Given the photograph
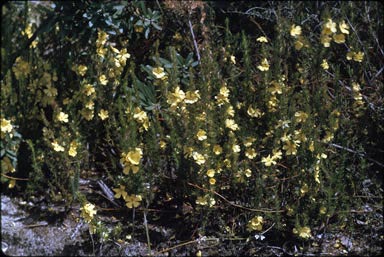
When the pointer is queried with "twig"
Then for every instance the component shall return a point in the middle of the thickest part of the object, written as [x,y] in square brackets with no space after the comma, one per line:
[194,41]
[176,246]
[14,177]
[147,233]
[233,204]
[358,153]
[371,105]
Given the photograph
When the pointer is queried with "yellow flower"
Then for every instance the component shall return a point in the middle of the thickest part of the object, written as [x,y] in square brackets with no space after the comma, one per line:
[358,56]
[248,173]
[256,223]
[254,112]
[344,28]
[159,73]
[57,147]
[231,124]
[82,69]
[162,144]
[6,126]
[217,149]
[88,211]
[299,44]
[73,148]
[331,26]
[211,173]
[103,80]
[21,68]
[285,137]
[62,117]
[291,147]
[325,40]
[138,29]
[311,146]
[122,56]
[304,232]
[89,89]
[141,116]
[101,38]
[236,148]
[275,88]
[133,201]
[222,97]
[90,105]
[316,176]
[199,158]
[101,51]
[12,183]
[134,156]
[304,189]
[201,200]
[230,111]
[103,114]
[120,192]
[129,167]
[191,97]
[339,38]
[201,135]
[277,154]
[233,59]
[212,181]
[264,65]
[301,116]
[176,97]
[268,161]
[6,165]
[88,114]
[248,141]
[27,31]
[262,40]
[250,153]
[295,31]
[324,64]
[224,91]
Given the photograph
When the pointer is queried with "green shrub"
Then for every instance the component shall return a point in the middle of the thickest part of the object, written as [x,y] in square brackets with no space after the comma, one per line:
[272,126]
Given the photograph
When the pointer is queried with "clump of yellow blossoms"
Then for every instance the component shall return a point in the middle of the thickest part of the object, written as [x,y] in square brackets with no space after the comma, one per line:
[329,32]
[356,56]
[131,201]
[131,160]
[303,232]
[88,211]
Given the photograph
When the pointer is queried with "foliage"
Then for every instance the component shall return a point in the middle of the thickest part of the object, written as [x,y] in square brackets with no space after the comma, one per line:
[278,123]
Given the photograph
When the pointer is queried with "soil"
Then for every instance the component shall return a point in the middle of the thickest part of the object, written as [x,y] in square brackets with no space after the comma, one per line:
[26,232]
